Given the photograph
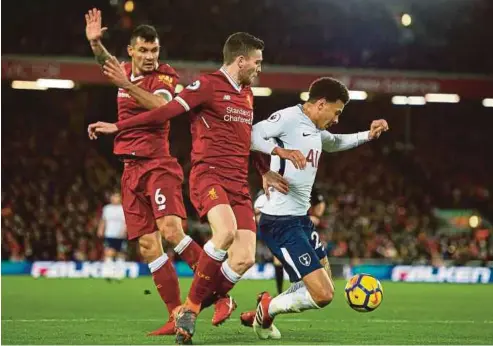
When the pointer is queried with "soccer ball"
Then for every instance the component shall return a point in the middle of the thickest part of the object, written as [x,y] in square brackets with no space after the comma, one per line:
[363,293]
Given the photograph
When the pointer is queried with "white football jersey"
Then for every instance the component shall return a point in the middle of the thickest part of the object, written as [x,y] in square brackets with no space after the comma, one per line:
[290,128]
[114,221]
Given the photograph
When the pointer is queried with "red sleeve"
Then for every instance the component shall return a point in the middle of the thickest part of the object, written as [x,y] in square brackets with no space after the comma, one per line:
[197,93]
[260,161]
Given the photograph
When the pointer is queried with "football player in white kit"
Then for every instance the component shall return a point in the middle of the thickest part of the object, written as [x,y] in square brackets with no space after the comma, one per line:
[284,224]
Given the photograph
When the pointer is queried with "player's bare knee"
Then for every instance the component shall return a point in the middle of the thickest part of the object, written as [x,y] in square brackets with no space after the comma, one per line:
[171,230]
[149,248]
[243,262]
[324,297]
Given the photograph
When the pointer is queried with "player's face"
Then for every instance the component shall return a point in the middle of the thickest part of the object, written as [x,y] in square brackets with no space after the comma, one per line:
[329,113]
[144,54]
[249,67]
[116,198]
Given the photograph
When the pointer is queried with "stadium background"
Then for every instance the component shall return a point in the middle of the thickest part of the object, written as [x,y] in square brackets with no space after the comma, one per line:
[403,207]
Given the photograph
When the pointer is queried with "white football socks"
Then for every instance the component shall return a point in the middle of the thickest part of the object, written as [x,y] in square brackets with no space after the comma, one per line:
[295,299]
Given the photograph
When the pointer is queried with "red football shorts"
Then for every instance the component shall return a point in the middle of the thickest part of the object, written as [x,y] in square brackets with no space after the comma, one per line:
[208,189]
[151,189]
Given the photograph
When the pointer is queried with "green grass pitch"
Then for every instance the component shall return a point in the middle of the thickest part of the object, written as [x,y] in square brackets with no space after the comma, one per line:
[93,311]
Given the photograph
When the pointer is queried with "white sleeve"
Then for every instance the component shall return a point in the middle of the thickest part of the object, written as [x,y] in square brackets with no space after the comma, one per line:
[166,94]
[336,142]
[273,127]
[105,213]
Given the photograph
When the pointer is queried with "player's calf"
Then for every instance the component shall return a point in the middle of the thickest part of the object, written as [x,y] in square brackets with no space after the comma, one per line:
[163,272]
[170,227]
[320,288]
[223,224]
[241,254]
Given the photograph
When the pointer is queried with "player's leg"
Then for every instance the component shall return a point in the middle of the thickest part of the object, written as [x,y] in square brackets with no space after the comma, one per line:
[210,200]
[109,251]
[118,247]
[164,190]
[141,225]
[171,229]
[163,273]
[241,257]
[121,251]
[317,290]
[301,262]
[109,255]
[223,224]
[318,246]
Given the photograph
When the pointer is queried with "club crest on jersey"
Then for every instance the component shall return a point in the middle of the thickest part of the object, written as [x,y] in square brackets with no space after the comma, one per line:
[165,79]
[213,194]
[274,118]
[194,86]
[305,259]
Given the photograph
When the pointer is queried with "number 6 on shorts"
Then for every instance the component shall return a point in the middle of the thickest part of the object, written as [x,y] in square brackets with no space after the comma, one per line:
[160,199]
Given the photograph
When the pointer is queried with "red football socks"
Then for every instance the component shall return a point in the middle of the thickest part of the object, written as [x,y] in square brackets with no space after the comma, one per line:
[206,276]
[224,285]
[191,254]
[166,281]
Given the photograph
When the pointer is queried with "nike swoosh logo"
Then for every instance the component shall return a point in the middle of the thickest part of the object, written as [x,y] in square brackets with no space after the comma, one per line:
[306,134]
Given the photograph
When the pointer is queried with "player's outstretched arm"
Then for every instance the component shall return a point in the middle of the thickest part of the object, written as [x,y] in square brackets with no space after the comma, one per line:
[339,142]
[197,93]
[156,117]
[94,33]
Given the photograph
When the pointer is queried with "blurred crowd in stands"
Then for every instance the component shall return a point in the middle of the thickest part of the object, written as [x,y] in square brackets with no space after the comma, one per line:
[380,197]
[448,36]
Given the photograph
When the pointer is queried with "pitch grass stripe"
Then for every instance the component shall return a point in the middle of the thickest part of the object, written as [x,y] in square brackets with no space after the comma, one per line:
[291,320]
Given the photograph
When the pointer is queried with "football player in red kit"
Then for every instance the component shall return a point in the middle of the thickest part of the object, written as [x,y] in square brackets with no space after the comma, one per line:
[152,179]
[221,105]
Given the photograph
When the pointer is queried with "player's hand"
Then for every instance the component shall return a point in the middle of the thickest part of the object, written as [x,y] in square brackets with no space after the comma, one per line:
[94,31]
[115,72]
[295,156]
[377,127]
[101,128]
[275,180]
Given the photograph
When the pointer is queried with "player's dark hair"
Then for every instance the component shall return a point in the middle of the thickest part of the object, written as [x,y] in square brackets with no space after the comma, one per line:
[146,32]
[240,43]
[328,88]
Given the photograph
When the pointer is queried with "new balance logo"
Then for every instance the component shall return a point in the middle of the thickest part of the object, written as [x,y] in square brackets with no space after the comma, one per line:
[227,97]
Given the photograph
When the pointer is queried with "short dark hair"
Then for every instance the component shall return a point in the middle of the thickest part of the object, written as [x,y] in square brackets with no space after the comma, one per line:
[328,88]
[240,43]
[147,32]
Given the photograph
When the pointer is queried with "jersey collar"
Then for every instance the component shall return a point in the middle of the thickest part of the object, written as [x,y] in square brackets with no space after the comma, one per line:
[230,79]
[133,78]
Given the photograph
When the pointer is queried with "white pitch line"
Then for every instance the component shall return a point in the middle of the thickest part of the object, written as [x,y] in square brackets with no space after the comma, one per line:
[293,320]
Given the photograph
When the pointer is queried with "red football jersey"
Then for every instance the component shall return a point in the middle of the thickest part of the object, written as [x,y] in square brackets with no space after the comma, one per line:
[222,116]
[145,141]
